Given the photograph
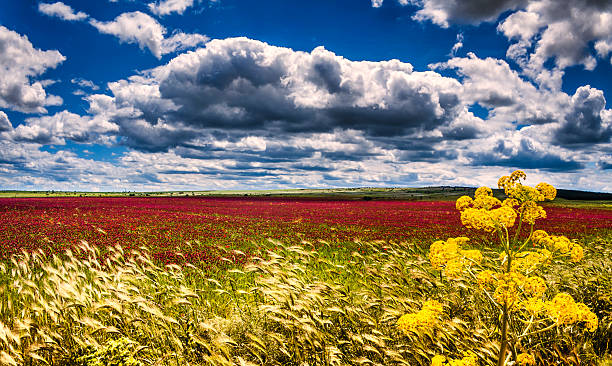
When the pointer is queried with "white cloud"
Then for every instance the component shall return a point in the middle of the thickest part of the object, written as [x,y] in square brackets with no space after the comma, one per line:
[512,100]
[182,41]
[458,45]
[240,84]
[20,62]
[142,29]
[165,7]
[61,10]
[5,124]
[558,30]
[63,125]
[135,27]
[444,12]
[561,30]
[83,83]
[587,121]
[575,122]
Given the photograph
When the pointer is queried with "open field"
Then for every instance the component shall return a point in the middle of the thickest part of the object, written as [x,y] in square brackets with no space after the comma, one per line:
[199,226]
[330,288]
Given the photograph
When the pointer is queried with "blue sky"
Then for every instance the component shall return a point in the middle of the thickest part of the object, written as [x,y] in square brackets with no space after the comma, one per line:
[199,94]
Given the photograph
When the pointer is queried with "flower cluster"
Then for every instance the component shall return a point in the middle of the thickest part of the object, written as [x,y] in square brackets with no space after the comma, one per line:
[559,244]
[564,310]
[470,359]
[509,288]
[485,212]
[525,197]
[525,359]
[423,321]
[513,187]
[449,256]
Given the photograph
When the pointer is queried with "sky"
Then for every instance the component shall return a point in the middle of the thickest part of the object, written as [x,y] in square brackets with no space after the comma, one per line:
[152,95]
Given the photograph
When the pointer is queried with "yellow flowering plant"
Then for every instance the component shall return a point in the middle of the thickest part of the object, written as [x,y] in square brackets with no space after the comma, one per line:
[509,279]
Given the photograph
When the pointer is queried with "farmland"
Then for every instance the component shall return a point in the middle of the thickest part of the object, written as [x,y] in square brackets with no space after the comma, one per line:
[267,280]
[199,227]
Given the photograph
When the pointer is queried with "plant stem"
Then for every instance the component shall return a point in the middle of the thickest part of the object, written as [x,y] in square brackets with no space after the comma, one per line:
[504,326]
[504,337]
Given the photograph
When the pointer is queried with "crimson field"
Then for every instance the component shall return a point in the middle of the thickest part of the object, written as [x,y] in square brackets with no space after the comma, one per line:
[201,227]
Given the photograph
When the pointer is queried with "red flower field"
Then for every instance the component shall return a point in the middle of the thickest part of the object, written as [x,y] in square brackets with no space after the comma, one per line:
[199,226]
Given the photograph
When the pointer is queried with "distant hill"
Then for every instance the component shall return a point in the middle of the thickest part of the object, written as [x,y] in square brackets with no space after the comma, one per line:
[363,193]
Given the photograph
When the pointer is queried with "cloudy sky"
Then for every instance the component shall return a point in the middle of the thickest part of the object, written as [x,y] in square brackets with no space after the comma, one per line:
[227,94]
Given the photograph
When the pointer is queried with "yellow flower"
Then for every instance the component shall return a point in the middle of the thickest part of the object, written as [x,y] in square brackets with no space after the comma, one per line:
[464,202]
[485,278]
[535,286]
[517,175]
[525,359]
[503,182]
[469,360]
[533,305]
[510,202]
[531,212]
[538,235]
[438,360]
[472,255]
[525,193]
[577,253]
[449,256]
[453,269]
[562,308]
[486,202]
[547,190]
[507,291]
[488,220]
[423,321]
[559,243]
[440,252]
[587,316]
[529,261]
[503,216]
[483,191]
[437,254]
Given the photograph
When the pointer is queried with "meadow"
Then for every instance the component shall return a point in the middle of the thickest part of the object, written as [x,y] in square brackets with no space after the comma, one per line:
[281,281]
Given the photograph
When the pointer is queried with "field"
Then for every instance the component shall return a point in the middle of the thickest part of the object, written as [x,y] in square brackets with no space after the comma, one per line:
[199,227]
[270,280]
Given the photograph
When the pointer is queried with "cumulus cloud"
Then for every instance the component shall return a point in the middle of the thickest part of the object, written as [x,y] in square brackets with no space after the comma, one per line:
[135,27]
[444,12]
[54,129]
[142,29]
[518,150]
[492,84]
[570,121]
[165,7]
[587,121]
[541,30]
[182,41]
[605,162]
[20,63]
[5,124]
[242,85]
[61,10]
[561,31]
